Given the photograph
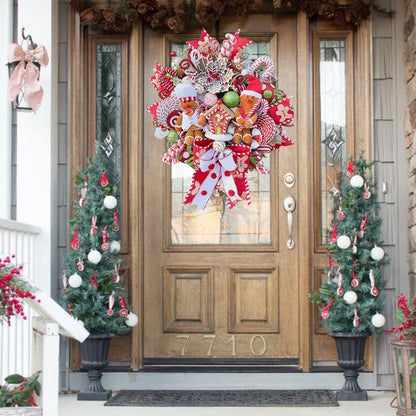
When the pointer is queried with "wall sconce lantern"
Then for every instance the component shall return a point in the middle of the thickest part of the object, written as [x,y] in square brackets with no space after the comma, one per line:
[24,89]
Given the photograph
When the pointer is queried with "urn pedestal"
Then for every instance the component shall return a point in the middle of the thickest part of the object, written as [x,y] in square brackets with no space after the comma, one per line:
[350,349]
[94,352]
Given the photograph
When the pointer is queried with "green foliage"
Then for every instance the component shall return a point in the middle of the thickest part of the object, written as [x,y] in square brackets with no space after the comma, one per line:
[90,302]
[347,263]
[19,390]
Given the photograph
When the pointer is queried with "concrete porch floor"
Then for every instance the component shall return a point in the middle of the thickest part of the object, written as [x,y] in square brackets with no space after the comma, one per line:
[378,404]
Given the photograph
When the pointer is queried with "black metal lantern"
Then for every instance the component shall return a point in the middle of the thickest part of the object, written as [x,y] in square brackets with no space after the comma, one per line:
[31,67]
[20,102]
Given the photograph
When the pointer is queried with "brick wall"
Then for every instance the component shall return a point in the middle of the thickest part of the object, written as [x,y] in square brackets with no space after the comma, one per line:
[410,129]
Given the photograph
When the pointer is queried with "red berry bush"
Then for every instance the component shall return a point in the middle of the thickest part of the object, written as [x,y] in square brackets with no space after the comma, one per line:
[13,288]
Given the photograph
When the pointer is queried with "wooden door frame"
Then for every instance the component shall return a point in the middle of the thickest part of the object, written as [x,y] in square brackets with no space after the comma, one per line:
[78,152]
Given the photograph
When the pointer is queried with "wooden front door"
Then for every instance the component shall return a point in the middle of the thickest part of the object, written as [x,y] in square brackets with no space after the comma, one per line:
[221,286]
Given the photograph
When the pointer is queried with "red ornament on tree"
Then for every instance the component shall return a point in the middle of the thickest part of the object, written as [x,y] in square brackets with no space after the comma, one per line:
[325,310]
[104,245]
[363,224]
[350,169]
[94,281]
[354,281]
[340,290]
[74,242]
[116,227]
[123,311]
[103,180]
[334,233]
[80,264]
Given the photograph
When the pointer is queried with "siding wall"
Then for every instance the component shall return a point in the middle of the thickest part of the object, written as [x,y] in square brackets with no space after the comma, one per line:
[410,56]
[390,164]
[63,170]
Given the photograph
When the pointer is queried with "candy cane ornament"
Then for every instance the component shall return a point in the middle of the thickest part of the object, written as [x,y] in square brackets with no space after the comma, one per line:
[340,290]
[374,291]
[325,310]
[94,225]
[356,320]
[110,304]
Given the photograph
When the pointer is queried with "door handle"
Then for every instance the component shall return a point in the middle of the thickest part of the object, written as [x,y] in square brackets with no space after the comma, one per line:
[289,204]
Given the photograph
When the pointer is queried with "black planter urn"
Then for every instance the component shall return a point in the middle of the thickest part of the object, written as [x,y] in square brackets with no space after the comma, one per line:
[94,352]
[350,358]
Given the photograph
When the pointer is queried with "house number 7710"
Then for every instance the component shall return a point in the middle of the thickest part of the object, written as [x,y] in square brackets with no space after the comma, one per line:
[257,344]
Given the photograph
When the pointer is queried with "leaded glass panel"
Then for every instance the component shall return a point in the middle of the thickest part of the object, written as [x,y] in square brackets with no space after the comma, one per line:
[332,95]
[217,224]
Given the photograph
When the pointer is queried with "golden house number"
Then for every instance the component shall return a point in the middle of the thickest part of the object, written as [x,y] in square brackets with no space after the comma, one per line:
[257,344]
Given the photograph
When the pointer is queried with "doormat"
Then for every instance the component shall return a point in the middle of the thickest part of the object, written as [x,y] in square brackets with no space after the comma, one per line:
[224,398]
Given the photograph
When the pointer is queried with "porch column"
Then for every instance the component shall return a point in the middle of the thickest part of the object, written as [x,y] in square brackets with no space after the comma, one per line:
[37,139]
[6,36]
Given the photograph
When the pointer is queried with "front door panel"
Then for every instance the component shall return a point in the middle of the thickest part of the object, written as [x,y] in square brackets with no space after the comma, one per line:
[221,285]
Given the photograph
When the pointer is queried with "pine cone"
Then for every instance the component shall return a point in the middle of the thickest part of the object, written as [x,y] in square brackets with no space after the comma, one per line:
[172,24]
[90,16]
[157,19]
[218,6]
[142,8]
[77,5]
[109,15]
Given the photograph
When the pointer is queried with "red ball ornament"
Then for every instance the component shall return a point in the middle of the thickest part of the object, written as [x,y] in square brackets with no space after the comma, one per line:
[124,313]
[173,54]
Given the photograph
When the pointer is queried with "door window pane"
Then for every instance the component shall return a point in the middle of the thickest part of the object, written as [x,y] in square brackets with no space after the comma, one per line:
[217,224]
[332,96]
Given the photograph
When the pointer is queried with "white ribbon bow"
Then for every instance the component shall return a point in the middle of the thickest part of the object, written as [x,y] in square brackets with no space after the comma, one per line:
[220,166]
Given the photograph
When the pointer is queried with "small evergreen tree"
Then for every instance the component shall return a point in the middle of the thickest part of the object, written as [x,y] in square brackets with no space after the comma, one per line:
[93,290]
[351,299]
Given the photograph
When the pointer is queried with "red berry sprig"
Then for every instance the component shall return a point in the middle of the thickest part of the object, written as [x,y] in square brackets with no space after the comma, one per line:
[12,290]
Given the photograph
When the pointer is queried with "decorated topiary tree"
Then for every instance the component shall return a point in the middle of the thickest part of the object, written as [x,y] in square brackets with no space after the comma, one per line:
[351,298]
[92,287]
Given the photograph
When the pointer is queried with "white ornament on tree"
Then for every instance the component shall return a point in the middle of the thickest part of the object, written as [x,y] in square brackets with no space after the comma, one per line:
[357,181]
[114,247]
[343,242]
[110,202]
[132,319]
[377,253]
[94,256]
[350,297]
[75,280]
[378,320]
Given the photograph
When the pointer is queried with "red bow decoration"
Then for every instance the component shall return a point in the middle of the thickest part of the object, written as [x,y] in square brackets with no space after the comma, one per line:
[103,180]
[75,242]
[350,168]
[26,74]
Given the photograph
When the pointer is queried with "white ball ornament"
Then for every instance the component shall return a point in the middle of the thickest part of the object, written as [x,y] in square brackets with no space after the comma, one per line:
[75,280]
[114,247]
[94,256]
[377,253]
[378,320]
[343,242]
[132,319]
[357,181]
[110,202]
[350,297]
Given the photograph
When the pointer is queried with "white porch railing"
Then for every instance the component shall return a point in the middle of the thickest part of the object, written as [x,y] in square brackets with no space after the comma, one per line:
[33,344]
[16,340]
